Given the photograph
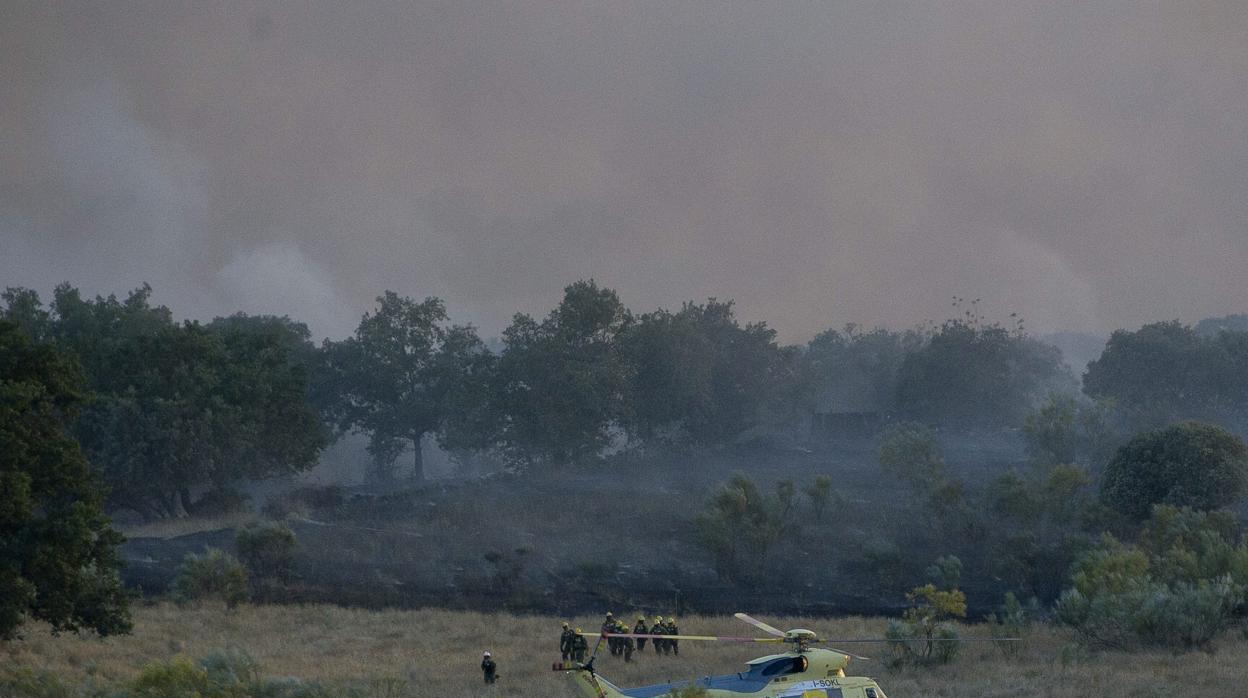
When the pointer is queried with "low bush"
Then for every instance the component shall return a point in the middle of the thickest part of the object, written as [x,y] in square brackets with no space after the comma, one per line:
[1179,587]
[925,635]
[267,551]
[214,574]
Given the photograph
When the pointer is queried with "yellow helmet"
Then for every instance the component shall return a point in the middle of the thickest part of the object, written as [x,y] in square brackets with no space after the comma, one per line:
[565,623]
[579,630]
[658,619]
[610,614]
[672,621]
[641,616]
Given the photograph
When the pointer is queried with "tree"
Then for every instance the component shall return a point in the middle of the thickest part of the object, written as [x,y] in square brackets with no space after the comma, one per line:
[925,633]
[741,527]
[561,383]
[58,559]
[819,492]
[1212,326]
[857,371]
[1188,464]
[1064,430]
[909,451]
[400,374]
[1167,371]
[698,375]
[263,371]
[181,407]
[971,374]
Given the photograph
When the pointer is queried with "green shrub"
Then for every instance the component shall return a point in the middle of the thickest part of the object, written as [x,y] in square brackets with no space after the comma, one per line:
[1178,588]
[267,551]
[1011,621]
[27,683]
[1149,613]
[214,574]
[176,678]
[924,634]
[945,572]
[1195,465]
[229,669]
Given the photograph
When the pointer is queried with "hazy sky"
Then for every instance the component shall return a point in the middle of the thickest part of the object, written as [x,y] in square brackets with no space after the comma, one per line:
[1082,163]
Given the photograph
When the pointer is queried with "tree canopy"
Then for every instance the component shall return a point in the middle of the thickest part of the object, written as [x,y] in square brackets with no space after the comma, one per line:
[181,408]
[1167,371]
[58,560]
[699,375]
[1195,465]
[402,373]
[975,375]
[562,382]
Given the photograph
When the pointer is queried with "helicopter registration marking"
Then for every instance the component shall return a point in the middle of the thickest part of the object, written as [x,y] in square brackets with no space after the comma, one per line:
[817,688]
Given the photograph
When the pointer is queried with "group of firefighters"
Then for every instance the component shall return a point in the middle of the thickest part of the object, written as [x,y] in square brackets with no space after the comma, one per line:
[574,646]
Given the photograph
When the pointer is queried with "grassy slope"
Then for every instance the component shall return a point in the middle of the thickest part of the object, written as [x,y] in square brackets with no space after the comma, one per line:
[435,653]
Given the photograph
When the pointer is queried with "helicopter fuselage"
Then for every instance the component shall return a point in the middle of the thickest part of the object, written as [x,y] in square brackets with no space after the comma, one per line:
[814,673]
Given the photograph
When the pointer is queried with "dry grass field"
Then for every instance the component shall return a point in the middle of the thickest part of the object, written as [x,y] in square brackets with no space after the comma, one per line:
[427,653]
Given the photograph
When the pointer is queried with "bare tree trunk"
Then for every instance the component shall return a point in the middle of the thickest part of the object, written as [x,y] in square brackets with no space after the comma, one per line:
[418,466]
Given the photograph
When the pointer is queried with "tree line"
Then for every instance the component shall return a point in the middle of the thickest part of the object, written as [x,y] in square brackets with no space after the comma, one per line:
[181,412]
[114,403]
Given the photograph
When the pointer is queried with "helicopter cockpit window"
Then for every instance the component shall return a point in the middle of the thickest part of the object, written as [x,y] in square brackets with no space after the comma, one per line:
[871,693]
[798,665]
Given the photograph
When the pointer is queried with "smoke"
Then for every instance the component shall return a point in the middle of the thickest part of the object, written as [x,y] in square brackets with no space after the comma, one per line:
[277,279]
[1080,164]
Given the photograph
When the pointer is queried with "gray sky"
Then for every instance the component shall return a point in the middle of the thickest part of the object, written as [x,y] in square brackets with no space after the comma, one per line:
[1082,163]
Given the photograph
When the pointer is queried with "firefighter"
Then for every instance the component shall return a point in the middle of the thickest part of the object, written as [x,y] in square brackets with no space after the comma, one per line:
[488,668]
[673,630]
[608,626]
[626,643]
[579,646]
[657,629]
[641,629]
[565,642]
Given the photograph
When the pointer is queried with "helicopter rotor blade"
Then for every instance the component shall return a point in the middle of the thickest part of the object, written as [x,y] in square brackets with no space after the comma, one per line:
[882,640]
[759,624]
[851,654]
[694,638]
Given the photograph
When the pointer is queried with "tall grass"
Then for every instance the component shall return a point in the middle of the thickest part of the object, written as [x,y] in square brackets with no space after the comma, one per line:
[428,653]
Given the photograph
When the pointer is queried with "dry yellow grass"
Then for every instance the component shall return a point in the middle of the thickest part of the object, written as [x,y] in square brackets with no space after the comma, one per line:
[436,653]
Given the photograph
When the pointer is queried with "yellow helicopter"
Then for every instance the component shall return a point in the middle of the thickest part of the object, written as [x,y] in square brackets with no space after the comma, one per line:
[802,672]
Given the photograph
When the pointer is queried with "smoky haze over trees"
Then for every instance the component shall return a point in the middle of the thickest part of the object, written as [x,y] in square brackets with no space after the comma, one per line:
[816,162]
[873,454]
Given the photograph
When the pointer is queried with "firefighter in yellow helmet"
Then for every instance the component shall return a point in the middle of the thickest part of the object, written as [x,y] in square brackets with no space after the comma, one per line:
[641,629]
[657,628]
[673,630]
[566,638]
[579,646]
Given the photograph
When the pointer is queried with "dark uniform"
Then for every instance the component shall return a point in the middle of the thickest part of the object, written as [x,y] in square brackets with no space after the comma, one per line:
[641,629]
[565,643]
[673,630]
[613,643]
[489,668]
[658,629]
[579,647]
[626,643]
